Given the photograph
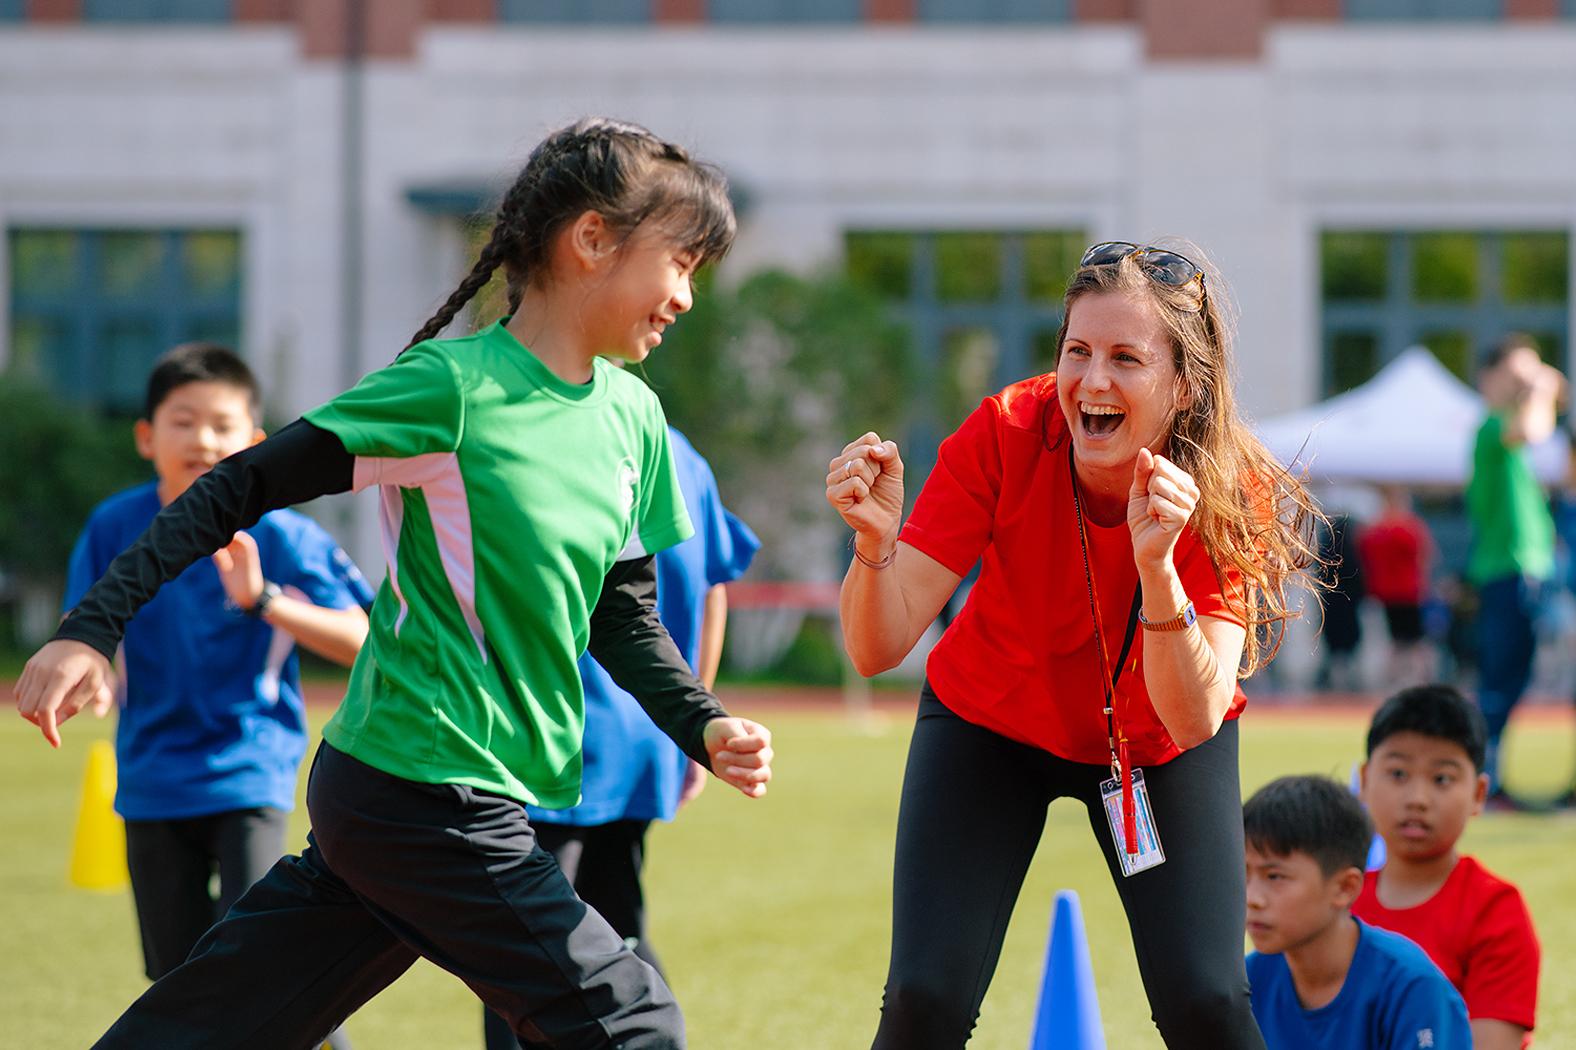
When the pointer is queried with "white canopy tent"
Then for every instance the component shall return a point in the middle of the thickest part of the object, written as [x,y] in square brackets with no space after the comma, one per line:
[1412,424]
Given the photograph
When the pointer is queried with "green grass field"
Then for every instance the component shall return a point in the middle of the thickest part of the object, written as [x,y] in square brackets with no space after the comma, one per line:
[771,916]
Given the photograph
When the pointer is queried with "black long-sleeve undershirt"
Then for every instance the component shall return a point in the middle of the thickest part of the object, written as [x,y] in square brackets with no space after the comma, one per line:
[302,462]
[631,644]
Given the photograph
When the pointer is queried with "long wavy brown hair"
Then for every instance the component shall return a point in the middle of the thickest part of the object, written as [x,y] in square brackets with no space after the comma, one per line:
[1253,515]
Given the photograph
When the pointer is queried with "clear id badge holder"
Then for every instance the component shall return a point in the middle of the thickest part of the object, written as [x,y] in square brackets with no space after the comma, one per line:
[1149,853]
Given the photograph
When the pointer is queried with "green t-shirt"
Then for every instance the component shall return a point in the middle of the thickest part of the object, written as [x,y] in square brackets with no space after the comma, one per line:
[1512,530]
[506,496]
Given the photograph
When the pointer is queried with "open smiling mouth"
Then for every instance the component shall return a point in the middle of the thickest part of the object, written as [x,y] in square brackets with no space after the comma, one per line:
[1100,420]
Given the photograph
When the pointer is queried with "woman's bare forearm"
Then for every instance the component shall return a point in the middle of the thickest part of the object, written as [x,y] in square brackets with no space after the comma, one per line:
[875,613]
[1190,684]
[885,611]
[892,591]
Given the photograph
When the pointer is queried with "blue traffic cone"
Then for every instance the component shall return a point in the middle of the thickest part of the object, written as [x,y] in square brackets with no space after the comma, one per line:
[1377,854]
[1068,1017]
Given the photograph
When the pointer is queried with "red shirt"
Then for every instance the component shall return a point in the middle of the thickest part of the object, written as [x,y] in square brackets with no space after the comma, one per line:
[1396,551]
[1478,931]
[1021,657]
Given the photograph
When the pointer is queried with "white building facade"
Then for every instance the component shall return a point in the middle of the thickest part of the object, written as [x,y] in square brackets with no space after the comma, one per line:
[291,177]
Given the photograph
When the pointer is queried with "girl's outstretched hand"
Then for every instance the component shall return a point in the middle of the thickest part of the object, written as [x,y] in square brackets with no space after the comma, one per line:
[741,753]
[61,679]
[865,484]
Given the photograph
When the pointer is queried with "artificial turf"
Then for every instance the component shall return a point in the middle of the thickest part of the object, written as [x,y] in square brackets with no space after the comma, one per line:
[771,916]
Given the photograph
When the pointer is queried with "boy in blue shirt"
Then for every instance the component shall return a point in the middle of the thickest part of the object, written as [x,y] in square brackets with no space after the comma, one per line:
[1322,979]
[211,727]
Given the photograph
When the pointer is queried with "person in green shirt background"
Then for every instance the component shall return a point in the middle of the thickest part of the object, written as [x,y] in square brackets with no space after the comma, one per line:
[1512,555]
[525,485]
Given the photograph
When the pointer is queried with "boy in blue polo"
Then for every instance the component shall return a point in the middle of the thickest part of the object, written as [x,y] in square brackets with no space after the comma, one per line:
[1322,979]
[211,727]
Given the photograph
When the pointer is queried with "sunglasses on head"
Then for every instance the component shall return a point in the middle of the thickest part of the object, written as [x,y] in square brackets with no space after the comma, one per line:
[1167,267]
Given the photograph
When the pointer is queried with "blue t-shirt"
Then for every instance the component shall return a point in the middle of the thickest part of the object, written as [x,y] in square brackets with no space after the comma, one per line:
[211,717]
[632,770]
[1393,998]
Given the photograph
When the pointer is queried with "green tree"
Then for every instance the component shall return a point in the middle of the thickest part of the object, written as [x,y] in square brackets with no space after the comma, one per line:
[56,463]
[769,380]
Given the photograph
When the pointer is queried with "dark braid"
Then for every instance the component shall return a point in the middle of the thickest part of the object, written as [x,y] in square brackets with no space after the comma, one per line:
[506,228]
[474,282]
[617,169]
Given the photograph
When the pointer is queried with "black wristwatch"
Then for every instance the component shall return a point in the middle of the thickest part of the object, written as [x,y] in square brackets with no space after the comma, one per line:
[265,598]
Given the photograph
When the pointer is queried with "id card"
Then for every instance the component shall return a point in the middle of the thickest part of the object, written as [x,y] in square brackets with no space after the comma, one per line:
[1149,854]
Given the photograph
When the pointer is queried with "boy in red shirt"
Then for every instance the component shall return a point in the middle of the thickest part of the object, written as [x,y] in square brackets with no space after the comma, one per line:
[1423,780]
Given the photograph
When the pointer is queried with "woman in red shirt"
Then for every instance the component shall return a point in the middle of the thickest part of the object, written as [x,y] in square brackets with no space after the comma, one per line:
[1122,491]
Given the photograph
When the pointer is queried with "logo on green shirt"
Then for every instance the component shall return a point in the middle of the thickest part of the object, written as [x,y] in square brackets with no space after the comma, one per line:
[628,484]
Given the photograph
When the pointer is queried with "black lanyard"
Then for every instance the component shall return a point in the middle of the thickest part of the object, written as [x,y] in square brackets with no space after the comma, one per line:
[1108,674]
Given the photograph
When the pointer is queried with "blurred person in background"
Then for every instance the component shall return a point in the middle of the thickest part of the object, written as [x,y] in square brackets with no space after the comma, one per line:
[1397,556]
[1512,556]
[1563,506]
[634,773]
[1343,629]
[1450,617]
[212,724]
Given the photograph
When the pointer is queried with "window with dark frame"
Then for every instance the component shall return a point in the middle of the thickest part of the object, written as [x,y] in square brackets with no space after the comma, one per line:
[90,310]
[1424,10]
[215,11]
[981,309]
[962,11]
[593,12]
[1454,291]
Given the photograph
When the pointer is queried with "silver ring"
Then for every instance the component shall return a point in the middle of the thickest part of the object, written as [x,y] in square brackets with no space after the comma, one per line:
[848,469]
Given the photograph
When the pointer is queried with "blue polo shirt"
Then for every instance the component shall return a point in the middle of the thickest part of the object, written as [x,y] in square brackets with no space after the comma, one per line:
[632,770]
[1393,998]
[211,716]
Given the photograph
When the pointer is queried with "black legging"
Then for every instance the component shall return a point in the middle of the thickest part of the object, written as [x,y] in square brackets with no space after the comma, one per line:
[950,910]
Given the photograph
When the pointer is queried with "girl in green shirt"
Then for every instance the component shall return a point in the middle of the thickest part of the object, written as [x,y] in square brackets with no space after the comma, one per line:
[525,486]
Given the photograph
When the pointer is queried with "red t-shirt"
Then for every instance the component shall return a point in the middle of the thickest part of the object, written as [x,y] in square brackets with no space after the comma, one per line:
[1478,931]
[1021,657]
[1395,552]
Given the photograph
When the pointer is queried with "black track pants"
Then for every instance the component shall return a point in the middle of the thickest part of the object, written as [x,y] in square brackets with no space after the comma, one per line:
[397,869]
[973,809]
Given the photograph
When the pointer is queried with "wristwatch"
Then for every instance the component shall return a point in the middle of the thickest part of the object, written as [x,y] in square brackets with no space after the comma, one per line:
[1180,622]
[271,590]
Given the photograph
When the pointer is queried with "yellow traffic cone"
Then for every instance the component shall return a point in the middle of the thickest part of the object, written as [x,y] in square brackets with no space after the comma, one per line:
[98,856]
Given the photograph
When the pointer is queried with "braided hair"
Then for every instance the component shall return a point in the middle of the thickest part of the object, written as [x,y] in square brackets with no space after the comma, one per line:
[620,170]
